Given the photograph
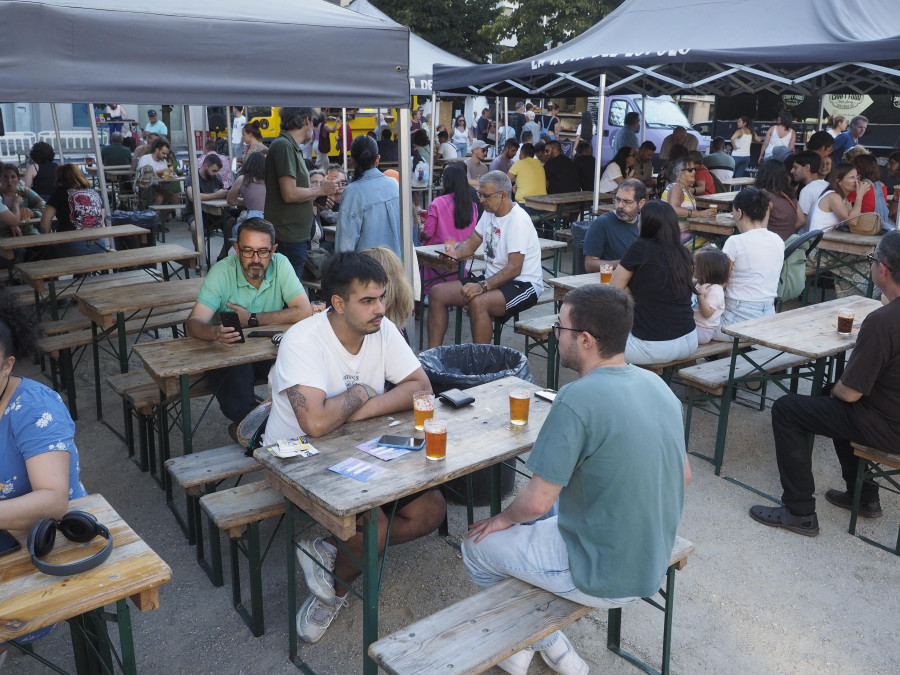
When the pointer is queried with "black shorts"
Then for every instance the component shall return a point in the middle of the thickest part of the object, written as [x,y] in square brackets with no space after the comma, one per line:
[519,295]
[404,501]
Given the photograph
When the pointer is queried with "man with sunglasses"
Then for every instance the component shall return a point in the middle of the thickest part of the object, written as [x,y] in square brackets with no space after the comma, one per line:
[611,457]
[513,278]
[610,235]
[863,406]
[261,286]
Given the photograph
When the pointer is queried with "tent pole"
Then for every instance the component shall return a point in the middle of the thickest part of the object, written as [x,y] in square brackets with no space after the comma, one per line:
[195,183]
[497,120]
[62,157]
[821,112]
[601,104]
[505,119]
[406,241]
[228,135]
[434,123]
[344,139]
[643,118]
[101,176]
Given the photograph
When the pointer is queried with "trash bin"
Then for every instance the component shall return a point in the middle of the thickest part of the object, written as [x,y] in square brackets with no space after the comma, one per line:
[148,219]
[579,232]
[464,366]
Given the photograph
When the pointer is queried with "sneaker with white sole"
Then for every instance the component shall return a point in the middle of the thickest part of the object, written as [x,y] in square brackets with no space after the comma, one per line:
[320,582]
[315,616]
[569,663]
[517,664]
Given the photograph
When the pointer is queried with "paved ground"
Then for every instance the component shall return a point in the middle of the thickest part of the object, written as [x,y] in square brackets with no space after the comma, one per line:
[751,599]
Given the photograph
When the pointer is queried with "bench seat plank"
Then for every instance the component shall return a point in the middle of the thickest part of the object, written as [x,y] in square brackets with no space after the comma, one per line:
[193,471]
[712,376]
[235,507]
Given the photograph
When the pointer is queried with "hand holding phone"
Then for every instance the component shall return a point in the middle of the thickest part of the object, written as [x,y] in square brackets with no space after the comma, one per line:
[233,321]
[448,257]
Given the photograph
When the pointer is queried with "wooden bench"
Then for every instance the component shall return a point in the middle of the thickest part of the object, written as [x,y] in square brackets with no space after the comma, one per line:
[26,295]
[666,370]
[500,321]
[874,464]
[480,631]
[198,474]
[238,512]
[712,378]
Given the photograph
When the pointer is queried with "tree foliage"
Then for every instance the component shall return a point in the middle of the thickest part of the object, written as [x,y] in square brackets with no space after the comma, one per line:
[451,25]
[539,24]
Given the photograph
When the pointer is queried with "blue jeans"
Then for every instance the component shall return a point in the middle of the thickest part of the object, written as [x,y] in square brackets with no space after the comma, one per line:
[641,352]
[740,165]
[234,387]
[741,310]
[461,149]
[296,253]
[535,554]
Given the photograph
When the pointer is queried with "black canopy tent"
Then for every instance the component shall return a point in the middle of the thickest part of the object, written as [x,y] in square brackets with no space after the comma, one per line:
[115,50]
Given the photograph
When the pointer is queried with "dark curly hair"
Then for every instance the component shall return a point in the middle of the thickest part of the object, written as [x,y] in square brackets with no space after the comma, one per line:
[18,327]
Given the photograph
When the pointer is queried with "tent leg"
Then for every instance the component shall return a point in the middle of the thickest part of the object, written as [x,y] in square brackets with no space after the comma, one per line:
[101,176]
[601,105]
[406,240]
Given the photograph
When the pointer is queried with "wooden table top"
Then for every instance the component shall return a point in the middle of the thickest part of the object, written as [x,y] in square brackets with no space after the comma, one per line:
[743,180]
[562,285]
[477,437]
[36,273]
[101,305]
[551,202]
[168,360]
[87,234]
[215,204]
[809,331]
[718,197]
[839,241]
[30,600]
[429,253]
[722,226]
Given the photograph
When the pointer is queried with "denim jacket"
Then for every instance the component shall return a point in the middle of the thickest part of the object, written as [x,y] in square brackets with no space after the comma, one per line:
[369,214]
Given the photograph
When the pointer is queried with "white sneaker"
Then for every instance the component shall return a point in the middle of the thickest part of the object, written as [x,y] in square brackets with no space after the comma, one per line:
[320,582]
[517,664]
[315,616]
[569,663]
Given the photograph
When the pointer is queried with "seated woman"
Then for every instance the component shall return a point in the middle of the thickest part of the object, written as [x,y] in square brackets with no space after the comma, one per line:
[75,205]
[757,256]
[14,197]
[875,199]
[785,217]
[453,215]
[679,193]
[657,270]
[617,170]
[833,207]
[38,457]
[370,205]
[40,175]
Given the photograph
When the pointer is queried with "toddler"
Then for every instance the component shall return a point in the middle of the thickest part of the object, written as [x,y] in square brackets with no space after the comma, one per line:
[711,269]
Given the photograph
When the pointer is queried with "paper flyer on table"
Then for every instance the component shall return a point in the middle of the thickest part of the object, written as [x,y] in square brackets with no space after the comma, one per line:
[357,469]
[380,451]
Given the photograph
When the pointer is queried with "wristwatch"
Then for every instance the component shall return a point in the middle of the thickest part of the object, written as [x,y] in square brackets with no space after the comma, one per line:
[483,284]
[253,321]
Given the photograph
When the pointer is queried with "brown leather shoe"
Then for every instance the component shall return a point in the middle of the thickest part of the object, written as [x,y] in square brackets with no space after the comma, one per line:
[844,500]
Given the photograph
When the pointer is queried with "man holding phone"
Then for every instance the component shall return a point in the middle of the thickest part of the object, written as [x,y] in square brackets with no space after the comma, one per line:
[260,286]
[332,369]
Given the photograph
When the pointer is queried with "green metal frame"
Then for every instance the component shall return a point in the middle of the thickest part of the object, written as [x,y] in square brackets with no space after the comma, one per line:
[835,261]
[549,348]
[869,469]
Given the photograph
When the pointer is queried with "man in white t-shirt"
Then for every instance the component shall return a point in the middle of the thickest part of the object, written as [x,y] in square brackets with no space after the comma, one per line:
[513,278]
[446,149]
[332,369]
[237,128]
[158,159]
[806,173]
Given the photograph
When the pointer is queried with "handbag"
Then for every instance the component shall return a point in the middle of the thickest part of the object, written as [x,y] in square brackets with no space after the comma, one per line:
[864,223]
[324,145]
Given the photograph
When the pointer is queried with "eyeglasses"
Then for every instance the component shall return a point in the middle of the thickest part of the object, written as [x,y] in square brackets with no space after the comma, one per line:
[263,253]
[486,195]
[872,259]
[556,328]
[624,202]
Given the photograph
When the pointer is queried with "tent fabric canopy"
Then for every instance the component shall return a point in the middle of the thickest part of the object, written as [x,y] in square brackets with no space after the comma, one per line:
[290,52]
[422,54]
[723,47]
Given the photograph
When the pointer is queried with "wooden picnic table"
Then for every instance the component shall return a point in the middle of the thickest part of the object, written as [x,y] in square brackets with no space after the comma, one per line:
[478,436]
[720,199]
[558,203]
[174,363]
[9,244]
[741,180]
[721,226]
[43,275]
[30,600]
[562,285]
[845,252]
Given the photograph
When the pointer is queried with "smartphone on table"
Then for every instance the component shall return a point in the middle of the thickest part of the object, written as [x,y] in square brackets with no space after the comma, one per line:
[8,543]
[231,320]
[402,442]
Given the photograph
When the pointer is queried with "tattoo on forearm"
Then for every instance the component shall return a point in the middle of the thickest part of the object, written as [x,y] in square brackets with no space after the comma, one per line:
[298,400]
[352,402]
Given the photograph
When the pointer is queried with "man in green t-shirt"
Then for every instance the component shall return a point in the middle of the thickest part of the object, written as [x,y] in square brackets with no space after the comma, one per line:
[261,287]
[289,196]
[611,457]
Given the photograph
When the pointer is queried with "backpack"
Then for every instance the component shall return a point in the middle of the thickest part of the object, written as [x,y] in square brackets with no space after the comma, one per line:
[324,146]
[881,207]
[144,177]
[793,272]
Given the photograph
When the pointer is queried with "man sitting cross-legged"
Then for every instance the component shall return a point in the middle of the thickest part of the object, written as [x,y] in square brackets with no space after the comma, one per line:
[513,277]
[332,369]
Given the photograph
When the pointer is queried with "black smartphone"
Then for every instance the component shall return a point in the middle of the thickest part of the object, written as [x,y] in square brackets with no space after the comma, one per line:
[402,442]
[231,320]
[448,257]
[263,333]
[8,543]
[546,394]
[322,201]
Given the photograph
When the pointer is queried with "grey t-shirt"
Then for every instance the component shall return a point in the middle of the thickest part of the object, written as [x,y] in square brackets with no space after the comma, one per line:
[608,237]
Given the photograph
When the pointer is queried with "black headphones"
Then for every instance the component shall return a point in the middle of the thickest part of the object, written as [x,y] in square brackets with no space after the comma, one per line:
[75,526]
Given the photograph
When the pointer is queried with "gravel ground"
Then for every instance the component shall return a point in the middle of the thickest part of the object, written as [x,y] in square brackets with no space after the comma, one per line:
[751,599]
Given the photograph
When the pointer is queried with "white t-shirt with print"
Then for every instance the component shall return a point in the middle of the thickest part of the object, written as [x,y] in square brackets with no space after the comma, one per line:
[513,233]
[311,355]
[758,257]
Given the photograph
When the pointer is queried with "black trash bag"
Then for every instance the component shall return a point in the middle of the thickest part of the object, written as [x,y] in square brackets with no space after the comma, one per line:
[464,366]
[148,219]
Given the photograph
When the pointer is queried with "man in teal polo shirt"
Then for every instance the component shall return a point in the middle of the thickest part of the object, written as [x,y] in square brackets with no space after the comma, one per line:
[611,457]
[261,286]
[289,196]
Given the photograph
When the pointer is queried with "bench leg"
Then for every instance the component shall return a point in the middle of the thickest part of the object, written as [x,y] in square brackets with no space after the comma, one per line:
[213,566]
[857,493]
[254,618]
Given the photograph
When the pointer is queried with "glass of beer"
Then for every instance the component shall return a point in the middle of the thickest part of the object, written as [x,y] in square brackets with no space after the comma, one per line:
[317,306]
[845,322]
[449,245]
[435,439]
[518,407]
[423,408]
[606,274]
